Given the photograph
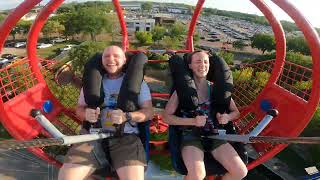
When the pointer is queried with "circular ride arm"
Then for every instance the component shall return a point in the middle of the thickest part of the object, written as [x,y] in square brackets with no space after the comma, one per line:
[189,44]
[279,38]
[125,41]
[13,18]
[34,33]
[313,40]
[5,29]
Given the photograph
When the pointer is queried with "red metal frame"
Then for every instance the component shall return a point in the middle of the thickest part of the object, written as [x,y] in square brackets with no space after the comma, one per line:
[196,13]
[291,107]
[125,41]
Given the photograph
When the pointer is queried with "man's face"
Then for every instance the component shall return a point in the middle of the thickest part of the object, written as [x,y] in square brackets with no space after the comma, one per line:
[200,64]
[113,59]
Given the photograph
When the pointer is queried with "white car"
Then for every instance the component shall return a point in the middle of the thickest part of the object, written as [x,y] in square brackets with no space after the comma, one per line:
[4,62]
[20,44]
[43,45]
[58,40]
[67,47]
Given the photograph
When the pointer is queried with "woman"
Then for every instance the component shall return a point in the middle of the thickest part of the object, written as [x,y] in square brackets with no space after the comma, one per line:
[192,149]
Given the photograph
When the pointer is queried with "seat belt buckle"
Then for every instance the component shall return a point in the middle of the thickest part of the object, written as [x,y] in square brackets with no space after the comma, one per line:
[95,130]
[219,131]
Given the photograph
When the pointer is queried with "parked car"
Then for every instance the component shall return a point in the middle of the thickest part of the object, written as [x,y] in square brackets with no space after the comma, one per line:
[67,47]
[20,44]
[4,62]
[9,56]
[43,45]
[58,40]
[214,40]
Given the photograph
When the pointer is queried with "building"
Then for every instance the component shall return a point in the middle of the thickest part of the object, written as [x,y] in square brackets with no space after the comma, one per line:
[134,25]
[176,10]
[164,19]
[131,6]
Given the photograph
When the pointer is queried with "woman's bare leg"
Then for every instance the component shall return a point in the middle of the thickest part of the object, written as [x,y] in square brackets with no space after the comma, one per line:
[231,161]
[75,171]
[193,159]
[131,172]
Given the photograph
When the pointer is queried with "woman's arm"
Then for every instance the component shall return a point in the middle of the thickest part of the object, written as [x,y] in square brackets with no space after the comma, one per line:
[234,114]
[170,109]
[226,117]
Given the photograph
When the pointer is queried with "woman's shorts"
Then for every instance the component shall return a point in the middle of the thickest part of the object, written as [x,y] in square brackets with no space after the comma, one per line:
[207,145]
[124,151]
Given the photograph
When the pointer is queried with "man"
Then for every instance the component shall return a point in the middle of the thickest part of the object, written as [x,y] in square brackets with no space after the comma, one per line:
[126,152]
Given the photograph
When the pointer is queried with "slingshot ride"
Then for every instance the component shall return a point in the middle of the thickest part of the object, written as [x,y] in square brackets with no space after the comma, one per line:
[25,86]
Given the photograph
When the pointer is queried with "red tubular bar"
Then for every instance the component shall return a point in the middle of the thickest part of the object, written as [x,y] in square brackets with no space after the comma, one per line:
[313,40]
[157,61]
[169,50]
[196,13]
[163,95]
[5,29]
[125,41]
[34,34]
[279,37]
[314,44]
[13,18]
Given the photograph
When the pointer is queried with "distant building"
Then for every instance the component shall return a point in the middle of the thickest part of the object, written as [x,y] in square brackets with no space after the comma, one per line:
[29,16]
[134,25]
[176,10]
[164,19]
[131,6]
[32,14]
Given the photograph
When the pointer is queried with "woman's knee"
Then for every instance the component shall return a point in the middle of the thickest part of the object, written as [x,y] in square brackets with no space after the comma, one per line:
[70,171]
[240,171]
[199,173]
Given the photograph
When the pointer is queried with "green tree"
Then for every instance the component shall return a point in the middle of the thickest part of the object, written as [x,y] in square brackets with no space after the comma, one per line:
[144,37]
[92,22]
[298,44]
[71,23]
[66,8]
[81,54]
[239,44]
[263,42]
[171,43]
[14,32]
[52,27]
[113,26]
[177,30]
[24,26]
[146,6]
[289,26]
[196,38]
[158,33]
[227,56]
[2,17]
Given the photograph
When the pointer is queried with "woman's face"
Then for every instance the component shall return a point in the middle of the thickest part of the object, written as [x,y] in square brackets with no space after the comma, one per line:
[200,64]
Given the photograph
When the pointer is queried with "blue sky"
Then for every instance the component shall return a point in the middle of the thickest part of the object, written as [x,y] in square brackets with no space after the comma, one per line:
[310,8]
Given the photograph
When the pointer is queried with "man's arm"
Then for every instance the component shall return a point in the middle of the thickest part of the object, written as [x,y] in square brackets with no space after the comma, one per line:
[145,113]
[80,112]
